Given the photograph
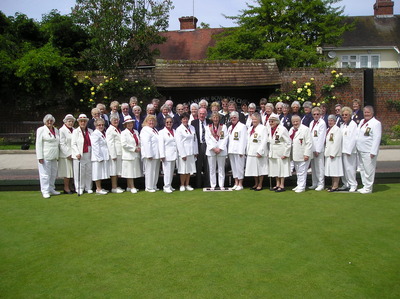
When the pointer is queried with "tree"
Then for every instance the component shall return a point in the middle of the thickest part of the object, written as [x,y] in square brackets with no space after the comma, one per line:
[122,31]
[288,30]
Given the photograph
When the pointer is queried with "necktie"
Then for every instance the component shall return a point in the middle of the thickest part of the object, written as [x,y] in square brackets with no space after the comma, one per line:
[293,133]
[203,133]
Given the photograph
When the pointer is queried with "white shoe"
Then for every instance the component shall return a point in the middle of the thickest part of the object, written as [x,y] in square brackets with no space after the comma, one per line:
[172,188]
[319,188]
[238,188]
[182,188]
[234,187]
[295,188]
[54,192]
[150,190]
[299,190]
[222,188]
[101,192]
[116,190]
[189,188]
[364,191]
[80,192]
[89,191]
[133,190]
[353,189]
[167,190]
[212,189]
[46,195]
[312,187]
[128,189]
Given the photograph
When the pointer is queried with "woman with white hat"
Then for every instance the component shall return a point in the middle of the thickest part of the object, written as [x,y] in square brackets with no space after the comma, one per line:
[47,152]
[81,155]
[113,138]
[279,152]
[65,167]
[100,156]
[131,166]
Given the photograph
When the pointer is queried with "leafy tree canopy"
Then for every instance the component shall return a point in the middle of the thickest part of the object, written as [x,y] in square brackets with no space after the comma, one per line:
[122,31]
[288,30]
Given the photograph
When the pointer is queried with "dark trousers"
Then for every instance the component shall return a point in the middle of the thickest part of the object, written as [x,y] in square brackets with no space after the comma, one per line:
[202,168]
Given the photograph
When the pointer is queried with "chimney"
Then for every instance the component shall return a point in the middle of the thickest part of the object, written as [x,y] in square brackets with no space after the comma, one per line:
[188,23]
[383,8]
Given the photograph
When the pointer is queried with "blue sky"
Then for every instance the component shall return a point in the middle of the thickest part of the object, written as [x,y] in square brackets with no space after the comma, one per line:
[207,11]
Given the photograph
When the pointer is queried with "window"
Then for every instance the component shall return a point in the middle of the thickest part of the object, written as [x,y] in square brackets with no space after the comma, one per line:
[360,61]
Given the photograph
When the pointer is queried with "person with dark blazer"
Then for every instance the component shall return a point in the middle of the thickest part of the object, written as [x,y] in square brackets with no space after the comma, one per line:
[338,111]
[307,117]
[202,169]
[138,118]
[232,106]
[285,117]
[358,114]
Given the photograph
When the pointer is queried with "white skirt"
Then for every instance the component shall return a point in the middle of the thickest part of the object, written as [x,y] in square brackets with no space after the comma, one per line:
[333,167]
[116,166]
[256,166]
[188,166]
[279,168]
[131,169]
[65,168]
[100,170]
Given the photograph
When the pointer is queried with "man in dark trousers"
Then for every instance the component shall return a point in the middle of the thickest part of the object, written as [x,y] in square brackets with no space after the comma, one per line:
[202,170]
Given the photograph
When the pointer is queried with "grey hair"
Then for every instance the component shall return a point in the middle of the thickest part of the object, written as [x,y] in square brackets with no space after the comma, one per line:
[149,106]
[331,116]
[124,104]
[370,108]
[278,104]
[296,116]
[194,105]
[307,104]
[256,114]
[48,117]
[203,101]
[252,105]
[284,105]
[347,109]
[270,105]
[234,113]
[166,106]
[137,107]
[114,116]
[296,103]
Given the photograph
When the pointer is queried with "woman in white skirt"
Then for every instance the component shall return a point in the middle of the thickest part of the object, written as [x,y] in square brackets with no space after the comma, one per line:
[65,167]
[237,149]
[257,152]
[113,139]
[47,152]
[216,151]
[187,151]
[100,156]
[168,152]
[131,166]
[279,152]
[150,152]
[333,153]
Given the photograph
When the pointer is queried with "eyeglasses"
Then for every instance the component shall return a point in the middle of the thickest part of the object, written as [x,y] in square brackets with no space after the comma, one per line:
[316,113]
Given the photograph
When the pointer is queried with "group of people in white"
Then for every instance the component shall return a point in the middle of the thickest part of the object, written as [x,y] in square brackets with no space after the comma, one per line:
[270,142]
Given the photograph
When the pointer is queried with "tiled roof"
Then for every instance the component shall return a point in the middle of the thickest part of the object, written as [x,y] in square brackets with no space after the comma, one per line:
[216,73]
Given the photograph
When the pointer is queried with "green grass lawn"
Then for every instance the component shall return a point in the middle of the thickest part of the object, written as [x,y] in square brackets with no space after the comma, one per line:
[201,245]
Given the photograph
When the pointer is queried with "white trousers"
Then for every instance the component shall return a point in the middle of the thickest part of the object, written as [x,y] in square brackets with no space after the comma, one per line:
[301,173]
[318,170]
[367,170]
[83,180]
[349,170]
[213,163]
[151,172]
[168,169]
[47,175]
[237,165]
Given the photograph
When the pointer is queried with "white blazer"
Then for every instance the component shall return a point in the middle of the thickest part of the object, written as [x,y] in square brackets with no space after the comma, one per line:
[167,145]
[47,145]
[65,142]
[186,141]
[257,142]
[333,142]
[77,142]
[113,139]
[318,133]
[149,142]
[237,141]
[349,132]
[212,142]
[99,147]
[301,143]
[279,143]
[369,136]
[129,145]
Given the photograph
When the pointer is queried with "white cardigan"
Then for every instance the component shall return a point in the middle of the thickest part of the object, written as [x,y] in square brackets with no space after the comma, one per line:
[369,136]
[212,142]
[113,139]
[349,132]
[129,145]
[333,142]
[237,139]
[186,141]
[301,143]
[149,142]
[318,133]
[65,142]
[257,143]
[77,142]
[47,145]
[279,143]
[99,147]
[167,145]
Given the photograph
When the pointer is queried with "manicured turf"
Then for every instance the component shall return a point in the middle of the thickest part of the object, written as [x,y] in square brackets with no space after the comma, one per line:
[201,245]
